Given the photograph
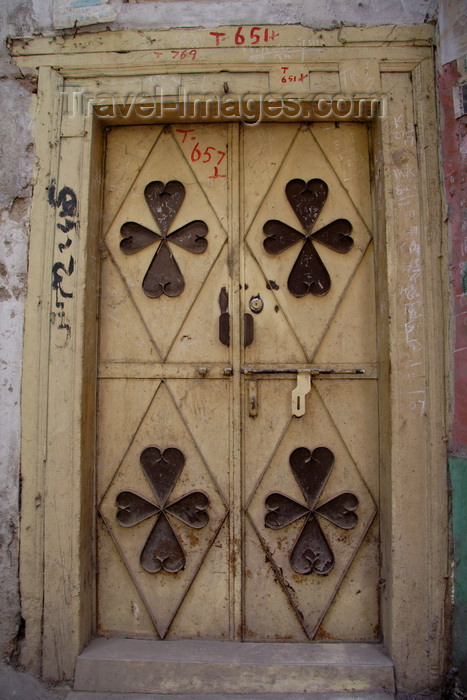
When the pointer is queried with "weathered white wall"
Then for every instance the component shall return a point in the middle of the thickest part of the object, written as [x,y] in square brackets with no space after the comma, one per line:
[28,17]
[16,154]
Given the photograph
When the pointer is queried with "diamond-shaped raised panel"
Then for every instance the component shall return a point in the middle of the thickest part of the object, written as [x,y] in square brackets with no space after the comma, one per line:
[311,594]
[310,315]
[164,428]
[163,316]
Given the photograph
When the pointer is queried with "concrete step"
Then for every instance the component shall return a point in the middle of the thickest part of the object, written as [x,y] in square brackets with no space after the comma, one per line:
[224,669]
[78,695]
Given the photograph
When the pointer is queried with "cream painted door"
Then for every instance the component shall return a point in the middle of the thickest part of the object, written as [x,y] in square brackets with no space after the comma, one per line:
[237,475]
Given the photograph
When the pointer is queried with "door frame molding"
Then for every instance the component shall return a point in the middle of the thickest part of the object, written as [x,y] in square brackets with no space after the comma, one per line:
[391,66]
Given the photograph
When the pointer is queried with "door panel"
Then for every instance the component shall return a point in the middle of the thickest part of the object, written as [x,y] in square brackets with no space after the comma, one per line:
[325,573]
[222,515]
[153,394]
[305,160]
[312,593]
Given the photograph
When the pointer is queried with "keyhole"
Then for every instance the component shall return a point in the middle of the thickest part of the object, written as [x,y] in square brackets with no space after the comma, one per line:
[256,304]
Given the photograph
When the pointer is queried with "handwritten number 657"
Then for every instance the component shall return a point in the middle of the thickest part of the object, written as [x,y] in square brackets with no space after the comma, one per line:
[197,155]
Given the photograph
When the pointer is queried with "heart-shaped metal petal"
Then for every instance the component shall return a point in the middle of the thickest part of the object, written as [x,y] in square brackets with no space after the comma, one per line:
[336,236]
[133,509]
[164,201]
[280,236]
[162,549]
[311,470]
[136,237]
[191,509]
[340,510]
[282,511]
[307,199]
[164,275]
[308,274]
[311,551]
[162,470]
[191,237]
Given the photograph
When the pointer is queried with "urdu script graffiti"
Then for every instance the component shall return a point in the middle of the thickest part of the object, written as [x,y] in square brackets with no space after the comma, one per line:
[65,203]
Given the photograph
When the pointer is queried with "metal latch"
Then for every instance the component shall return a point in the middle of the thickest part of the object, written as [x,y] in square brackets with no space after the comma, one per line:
[298,394]
[303,386]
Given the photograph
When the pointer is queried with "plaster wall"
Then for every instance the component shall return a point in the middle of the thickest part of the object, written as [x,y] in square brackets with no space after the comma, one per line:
[16,157]
[452,71]
[29,17]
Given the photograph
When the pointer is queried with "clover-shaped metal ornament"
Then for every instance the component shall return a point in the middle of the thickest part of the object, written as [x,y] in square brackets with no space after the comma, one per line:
[162,549]
[308,275]
[311,552]
[163,275]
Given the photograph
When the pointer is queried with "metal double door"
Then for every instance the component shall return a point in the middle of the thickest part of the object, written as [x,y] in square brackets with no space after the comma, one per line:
[237,476]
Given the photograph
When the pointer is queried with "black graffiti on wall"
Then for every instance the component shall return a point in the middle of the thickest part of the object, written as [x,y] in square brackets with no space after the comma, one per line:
[65,203]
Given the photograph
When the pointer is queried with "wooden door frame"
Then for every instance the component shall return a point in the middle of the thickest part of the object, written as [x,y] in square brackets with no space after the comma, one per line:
[392,66]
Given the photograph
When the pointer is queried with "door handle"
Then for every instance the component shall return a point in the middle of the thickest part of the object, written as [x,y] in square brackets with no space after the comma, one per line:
[224,322]
[248,329]
[224,318]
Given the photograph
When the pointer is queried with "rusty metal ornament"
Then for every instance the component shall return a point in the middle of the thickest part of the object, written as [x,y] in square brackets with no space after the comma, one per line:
[162,550]
[162,470]
[163,275]
[164,201]
[308,274]
[311,552]
[133,509]
[307,199]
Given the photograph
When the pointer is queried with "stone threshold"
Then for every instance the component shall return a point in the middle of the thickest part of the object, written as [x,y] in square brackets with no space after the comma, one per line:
[83,695]
[220,669]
